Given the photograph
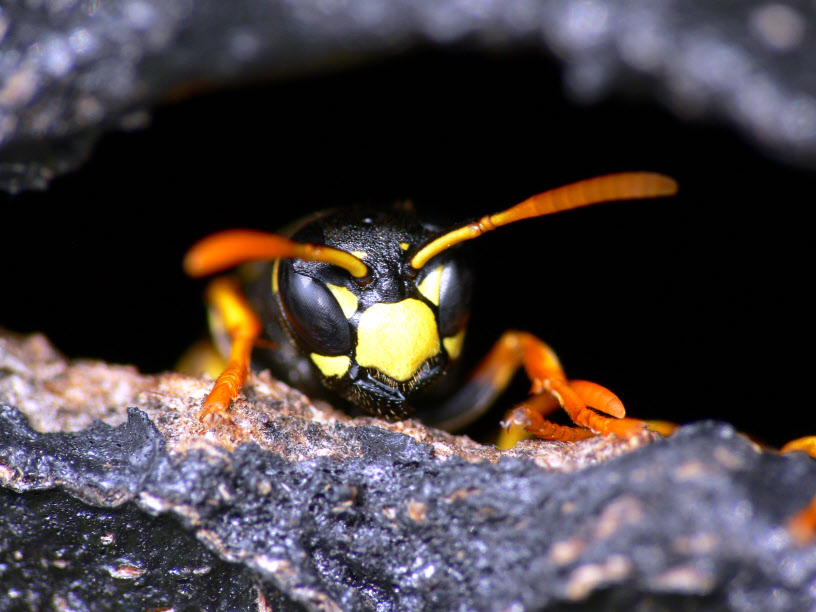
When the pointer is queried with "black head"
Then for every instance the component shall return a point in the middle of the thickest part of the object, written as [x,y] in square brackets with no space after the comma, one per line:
[380,338]
[378,300]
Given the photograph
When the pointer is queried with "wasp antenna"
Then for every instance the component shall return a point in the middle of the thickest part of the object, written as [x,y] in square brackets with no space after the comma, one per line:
[622,186]
[230,248]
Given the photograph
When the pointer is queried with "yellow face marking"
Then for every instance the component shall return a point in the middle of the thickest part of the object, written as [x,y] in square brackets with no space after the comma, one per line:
[453,344]
[429,287]
[331,366]
[275,276]
[405,246]
[346,299]
[397,338]
[360,254]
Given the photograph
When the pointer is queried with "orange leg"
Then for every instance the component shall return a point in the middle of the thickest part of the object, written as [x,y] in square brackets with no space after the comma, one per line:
[529,416]
[802,525]
[806,444]
[593,394]
[515,349]
[230,308]
[545,371]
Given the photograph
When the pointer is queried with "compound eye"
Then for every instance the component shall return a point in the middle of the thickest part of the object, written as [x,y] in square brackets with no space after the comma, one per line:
[313,313]
[455,290]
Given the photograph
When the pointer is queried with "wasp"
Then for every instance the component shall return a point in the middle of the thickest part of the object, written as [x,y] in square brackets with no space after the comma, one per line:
[373,305]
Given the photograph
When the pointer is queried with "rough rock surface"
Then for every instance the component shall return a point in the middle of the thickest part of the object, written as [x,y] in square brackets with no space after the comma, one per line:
[309,509]
[70,70]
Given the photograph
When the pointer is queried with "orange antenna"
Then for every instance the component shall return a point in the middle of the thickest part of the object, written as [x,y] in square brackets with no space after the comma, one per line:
[623,186]
[227,249]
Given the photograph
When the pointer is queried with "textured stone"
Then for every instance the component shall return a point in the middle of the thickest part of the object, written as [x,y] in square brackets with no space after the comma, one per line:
[71,70]
[314,510]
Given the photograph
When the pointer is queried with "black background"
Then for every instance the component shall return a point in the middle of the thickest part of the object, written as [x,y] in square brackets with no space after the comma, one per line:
[692,307]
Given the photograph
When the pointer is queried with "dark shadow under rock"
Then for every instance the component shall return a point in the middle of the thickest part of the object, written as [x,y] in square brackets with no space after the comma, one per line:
[60,553]
[314,510]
